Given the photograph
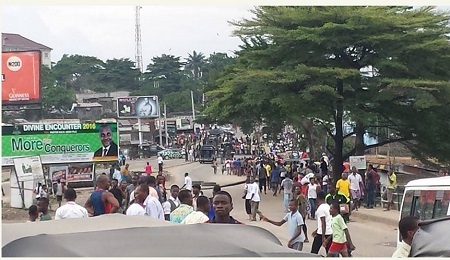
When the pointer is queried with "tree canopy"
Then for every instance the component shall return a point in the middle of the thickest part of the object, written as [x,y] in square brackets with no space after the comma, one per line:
[367,66]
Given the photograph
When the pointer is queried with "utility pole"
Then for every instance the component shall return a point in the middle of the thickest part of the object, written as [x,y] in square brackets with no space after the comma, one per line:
[165,125]
[139,62]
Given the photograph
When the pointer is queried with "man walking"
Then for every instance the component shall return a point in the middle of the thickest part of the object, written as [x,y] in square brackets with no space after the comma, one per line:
[274,179]
[160,162]
[255,198]
[323,230]
[262,176]
[187,182]
[295,223]
[407,227]
[370,187]
[356,187]
[287,186]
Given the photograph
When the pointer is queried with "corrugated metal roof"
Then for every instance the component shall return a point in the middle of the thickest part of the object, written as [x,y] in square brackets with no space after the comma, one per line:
[94,104]
[12,41]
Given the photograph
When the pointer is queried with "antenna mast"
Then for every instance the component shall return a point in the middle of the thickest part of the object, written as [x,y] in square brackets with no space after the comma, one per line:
[139,63]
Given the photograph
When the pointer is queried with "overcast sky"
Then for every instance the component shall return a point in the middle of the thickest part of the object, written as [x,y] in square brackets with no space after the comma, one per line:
[109,32]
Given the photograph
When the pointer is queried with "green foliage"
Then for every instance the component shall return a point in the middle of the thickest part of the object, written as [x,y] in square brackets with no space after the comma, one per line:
[310,60]
[54,96]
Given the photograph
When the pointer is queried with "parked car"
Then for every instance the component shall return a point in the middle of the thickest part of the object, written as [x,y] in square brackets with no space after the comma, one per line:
[171,154]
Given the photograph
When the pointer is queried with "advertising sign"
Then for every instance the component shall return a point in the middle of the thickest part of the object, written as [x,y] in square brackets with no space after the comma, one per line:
[61,142]
[143,107]
[358,161]
[29,168]
[80,172]
[58,173]
[21,77]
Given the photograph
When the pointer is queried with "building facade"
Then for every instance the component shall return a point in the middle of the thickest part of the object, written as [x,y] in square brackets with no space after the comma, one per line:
[16,42]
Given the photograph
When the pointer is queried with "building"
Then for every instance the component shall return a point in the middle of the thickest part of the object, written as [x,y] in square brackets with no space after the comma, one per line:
[16,42]
[88,111]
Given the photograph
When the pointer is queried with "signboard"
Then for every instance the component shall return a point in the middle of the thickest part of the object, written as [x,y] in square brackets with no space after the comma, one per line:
[358,161]
[58,173]
[80,172]
[141,107]
[21,77]
[61,142]
[28,168]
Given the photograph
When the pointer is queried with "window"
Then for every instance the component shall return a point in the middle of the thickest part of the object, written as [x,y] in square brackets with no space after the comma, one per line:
[46,55]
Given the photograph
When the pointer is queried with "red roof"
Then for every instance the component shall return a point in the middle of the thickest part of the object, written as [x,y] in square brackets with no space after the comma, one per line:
[16,42]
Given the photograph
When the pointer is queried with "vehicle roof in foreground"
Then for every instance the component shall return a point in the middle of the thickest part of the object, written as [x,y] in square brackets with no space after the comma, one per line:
[435,181]
[432,239]
[139,236]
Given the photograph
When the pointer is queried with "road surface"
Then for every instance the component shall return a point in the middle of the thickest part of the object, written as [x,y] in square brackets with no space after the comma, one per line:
[371,239]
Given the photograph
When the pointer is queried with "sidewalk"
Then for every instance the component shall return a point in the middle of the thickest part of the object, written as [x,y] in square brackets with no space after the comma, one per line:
[377,214]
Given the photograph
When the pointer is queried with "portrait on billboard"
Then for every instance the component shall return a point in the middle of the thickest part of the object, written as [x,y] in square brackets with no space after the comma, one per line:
[146,107]
[108,148]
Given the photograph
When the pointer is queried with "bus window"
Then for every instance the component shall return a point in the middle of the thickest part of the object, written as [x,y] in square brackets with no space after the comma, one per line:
[441,208]
[424,204]
[407,203]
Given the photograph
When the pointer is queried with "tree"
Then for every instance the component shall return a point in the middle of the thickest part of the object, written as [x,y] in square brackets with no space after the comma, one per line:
[195,64]
[78,72]
[55,97]
[120,74]
[310,60]
[165,72]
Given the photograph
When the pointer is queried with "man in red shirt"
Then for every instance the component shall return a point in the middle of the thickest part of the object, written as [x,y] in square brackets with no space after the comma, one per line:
[148,169]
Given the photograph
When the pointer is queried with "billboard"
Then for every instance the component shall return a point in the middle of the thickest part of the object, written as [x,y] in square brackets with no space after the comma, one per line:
[72,173]
[143,107]
[29,168]
[61,142]
[21,77]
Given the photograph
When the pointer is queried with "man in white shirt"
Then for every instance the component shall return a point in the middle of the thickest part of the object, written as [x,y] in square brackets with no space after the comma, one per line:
[187,182]
[323,230]
[71,209]
[356,187]
[201,214]
[137,208]
[172,203]
[255,198]
[407,227]
[153,208]
[160,162]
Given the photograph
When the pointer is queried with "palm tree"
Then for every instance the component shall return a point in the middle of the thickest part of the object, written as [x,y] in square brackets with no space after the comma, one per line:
[195,64]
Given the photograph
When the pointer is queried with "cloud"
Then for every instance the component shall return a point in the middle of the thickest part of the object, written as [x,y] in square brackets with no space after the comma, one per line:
[108,32]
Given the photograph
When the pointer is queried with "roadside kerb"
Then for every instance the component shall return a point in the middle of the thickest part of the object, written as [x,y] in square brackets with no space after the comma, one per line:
[377,215]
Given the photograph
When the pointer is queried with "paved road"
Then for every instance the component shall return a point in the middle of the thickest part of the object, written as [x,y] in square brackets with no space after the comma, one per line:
[371,239]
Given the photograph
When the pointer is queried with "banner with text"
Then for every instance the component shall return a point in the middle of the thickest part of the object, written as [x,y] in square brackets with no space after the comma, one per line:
[61,142]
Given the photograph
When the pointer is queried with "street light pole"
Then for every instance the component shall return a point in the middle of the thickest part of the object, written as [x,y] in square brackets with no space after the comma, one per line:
[160,127]
[165,124]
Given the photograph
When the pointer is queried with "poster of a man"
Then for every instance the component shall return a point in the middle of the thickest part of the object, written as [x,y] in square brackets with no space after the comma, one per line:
[146,107]
[109,148]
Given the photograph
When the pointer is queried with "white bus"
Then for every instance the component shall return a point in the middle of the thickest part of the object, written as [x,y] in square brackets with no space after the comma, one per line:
[426,199]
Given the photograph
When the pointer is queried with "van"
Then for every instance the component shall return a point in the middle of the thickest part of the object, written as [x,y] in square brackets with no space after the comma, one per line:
[426,199]
[207,153]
